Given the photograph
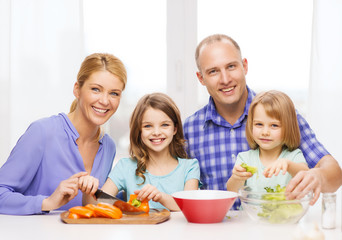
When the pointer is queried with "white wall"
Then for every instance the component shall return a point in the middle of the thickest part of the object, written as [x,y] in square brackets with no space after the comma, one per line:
[41,51]
[325,101]
[42,46]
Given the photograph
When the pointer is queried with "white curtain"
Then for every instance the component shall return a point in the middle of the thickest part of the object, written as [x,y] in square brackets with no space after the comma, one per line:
[325,113]
[41,48]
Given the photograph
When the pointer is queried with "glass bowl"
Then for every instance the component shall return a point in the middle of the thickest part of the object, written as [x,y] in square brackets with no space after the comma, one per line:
[274,208]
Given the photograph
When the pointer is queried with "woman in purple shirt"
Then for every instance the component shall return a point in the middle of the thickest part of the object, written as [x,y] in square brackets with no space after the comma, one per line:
[56,156]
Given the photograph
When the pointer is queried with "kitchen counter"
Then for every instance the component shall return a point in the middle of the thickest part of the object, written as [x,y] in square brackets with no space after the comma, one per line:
[236,226]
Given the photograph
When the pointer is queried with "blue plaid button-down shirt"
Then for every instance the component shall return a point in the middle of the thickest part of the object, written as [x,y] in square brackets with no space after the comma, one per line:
[216,143]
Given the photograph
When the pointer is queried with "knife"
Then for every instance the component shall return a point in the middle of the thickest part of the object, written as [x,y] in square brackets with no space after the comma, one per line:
[125,207]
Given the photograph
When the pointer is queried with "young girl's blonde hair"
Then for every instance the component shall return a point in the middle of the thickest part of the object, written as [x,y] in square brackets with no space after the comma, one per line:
[138,150]
[279,106]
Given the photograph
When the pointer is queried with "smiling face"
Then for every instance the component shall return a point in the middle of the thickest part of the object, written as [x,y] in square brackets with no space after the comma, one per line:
[157,130]
[267,131]
[98,98]
[222,71]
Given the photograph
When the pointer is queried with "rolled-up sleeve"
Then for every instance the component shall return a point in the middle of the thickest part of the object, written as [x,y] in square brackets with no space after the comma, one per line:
[312,149]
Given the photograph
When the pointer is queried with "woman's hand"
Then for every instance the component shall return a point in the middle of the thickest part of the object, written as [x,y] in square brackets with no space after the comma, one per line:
[66,191]
[88,184]
[274,168]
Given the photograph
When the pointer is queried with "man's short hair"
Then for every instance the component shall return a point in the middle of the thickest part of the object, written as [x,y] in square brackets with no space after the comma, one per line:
[211,39]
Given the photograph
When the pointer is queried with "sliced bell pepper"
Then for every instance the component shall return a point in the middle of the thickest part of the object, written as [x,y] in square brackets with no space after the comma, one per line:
[82,211]
[73,216]
[92,207]
[142,205]
[107,212]
[110,207]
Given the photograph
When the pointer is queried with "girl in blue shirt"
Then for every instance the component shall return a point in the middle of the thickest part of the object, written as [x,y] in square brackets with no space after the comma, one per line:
[158,164]
[273,135]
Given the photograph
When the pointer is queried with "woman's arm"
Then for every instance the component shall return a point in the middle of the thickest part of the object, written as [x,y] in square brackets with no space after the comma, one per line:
[19,170]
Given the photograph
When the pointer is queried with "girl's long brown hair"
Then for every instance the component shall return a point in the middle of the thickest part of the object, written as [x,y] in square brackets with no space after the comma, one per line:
[138,150]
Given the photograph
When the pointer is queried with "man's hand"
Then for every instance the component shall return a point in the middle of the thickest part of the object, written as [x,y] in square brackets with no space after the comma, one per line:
[304,182]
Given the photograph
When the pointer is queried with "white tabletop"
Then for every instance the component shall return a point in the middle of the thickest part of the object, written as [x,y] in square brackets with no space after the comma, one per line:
[236,226]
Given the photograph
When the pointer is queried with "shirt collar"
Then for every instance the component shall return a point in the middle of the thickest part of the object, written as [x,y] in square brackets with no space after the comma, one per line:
[211,115]
[75,135]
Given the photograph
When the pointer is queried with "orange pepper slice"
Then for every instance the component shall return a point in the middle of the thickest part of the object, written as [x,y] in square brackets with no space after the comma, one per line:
[73,216]
[92,207]
[107,212]
[82,211]
[109,206]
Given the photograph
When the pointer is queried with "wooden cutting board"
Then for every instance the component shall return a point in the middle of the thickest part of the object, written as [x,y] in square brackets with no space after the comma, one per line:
[155,216]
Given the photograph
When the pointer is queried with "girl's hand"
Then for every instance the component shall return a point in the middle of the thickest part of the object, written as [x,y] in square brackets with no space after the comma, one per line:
[88,184]
[240,174]
[274,169]
[66,191]
[238,178]
[149,192]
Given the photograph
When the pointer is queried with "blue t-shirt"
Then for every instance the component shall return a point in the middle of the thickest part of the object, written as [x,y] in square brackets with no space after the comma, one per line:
[258,181]
[123,175]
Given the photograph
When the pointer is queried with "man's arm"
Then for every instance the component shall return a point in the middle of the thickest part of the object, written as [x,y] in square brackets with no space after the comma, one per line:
[326,176]
[331,173]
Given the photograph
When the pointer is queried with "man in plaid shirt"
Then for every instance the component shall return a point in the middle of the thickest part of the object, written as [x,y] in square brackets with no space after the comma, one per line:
[215,134]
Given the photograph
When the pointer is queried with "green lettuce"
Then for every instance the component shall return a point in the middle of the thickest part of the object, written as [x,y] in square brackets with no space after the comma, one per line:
[248,168]
[275,212]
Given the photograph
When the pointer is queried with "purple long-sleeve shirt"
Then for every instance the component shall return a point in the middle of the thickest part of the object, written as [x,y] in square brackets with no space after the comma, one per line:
[45,155]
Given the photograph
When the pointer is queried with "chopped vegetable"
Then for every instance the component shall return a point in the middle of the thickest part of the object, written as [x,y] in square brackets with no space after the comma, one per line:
[275,211]
[82,211]
[90,210]
[107,212]
[278,189]
[111,208]
[142,205]
[92,207]
[74,216]
[248,168]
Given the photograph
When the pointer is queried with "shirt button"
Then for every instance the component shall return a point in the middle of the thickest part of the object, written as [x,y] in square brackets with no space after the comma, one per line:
[232,130]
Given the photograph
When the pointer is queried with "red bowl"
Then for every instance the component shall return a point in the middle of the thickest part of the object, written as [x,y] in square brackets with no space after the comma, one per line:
[205,206]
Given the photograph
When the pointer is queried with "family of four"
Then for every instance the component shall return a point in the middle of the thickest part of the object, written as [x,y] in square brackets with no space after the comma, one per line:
[60,161]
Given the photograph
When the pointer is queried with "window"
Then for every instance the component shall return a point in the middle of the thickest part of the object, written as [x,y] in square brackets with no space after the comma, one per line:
[135,32]
[274,36]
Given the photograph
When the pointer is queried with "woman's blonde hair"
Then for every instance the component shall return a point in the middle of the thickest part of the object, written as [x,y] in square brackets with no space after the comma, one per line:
[138,150]
[279,106]
[100,62]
